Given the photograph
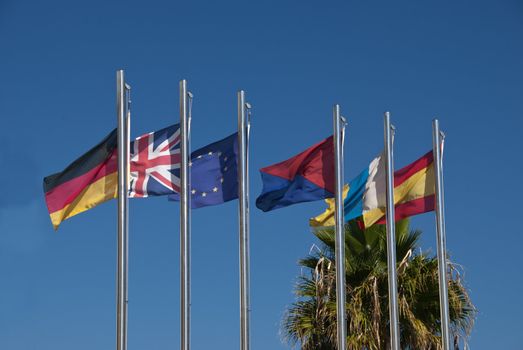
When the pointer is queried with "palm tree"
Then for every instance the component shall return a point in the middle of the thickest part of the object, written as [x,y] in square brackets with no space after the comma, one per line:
[311,321]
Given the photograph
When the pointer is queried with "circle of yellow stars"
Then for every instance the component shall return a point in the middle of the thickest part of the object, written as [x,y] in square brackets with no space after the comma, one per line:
[214,189]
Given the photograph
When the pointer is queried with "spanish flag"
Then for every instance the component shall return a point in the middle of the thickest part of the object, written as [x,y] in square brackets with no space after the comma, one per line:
[365,199]
[88,181]
[414,193]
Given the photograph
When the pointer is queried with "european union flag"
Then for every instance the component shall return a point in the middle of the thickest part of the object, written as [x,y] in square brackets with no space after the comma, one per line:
[214,173]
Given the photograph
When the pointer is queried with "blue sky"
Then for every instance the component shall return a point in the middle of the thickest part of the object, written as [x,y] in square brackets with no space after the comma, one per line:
[460,61]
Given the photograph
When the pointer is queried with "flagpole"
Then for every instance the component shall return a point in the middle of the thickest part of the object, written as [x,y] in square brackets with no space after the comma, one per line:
[391,237]
[437,143]
[127,176]
[243,181]
[185,287]
[123,223]
[339,129]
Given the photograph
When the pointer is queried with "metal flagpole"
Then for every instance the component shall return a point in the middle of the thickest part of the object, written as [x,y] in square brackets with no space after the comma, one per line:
[391,238]
[128,179]
[339,130]
[437,143]
[185,281]
[243,182]
[122,259]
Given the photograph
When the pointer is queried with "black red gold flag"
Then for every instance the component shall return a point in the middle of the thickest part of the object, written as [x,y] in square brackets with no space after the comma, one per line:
[88,181]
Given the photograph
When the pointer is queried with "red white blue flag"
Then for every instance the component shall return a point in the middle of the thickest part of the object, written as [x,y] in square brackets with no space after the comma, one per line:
[155,163]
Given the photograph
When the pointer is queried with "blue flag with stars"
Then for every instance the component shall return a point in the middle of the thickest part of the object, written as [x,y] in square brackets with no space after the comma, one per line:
[214,173]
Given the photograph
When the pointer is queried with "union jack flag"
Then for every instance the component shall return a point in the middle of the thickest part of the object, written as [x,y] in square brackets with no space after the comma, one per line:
[155,163]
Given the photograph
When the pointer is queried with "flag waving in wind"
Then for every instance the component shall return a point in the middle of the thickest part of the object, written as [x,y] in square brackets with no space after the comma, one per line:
[214,173]
[87,182]
[414,189]
[92,179]
[306,177]
[155,163]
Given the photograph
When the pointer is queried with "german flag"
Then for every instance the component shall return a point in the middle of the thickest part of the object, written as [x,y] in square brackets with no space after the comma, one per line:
[90,180]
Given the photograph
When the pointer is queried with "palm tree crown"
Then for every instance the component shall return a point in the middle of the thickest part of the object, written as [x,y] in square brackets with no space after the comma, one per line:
[311,321]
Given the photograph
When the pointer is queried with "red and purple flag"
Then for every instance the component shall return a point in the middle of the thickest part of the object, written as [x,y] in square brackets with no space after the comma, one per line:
[306,177]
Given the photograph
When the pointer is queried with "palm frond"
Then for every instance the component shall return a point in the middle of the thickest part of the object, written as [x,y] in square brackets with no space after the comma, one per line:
[310,322]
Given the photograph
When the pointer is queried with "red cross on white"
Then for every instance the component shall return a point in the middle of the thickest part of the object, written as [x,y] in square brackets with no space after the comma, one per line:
[149,163]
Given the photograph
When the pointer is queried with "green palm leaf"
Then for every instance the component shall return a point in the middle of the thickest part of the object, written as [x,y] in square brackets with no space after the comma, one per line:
[310,322]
